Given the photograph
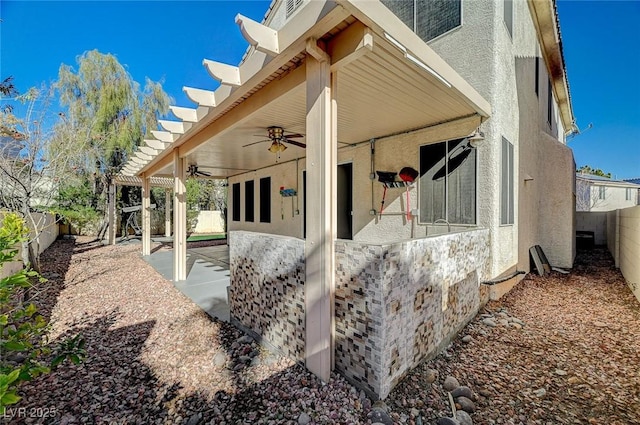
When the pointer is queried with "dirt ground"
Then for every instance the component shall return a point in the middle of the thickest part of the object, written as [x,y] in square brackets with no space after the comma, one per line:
[570,354]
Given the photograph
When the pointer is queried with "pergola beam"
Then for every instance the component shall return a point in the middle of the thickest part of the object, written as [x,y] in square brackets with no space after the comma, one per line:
[227,74]
[189,115]
[263,38]
[164,136]
[156,144]
[142,156]
[138,160]
[147,150]
[177,127]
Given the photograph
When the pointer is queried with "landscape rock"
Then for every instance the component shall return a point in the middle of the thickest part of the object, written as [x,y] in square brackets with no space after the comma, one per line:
[464,418]
[450,383]
[304,419]
[462,391]
[466,404]
[447,421]
[489,322]
[431,375]
[381,416]
[467,339]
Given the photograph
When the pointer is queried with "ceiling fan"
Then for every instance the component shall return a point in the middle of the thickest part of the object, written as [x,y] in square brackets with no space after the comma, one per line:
[193,171]
[278,138]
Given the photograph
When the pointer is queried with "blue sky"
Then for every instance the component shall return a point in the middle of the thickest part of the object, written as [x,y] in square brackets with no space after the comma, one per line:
[167,40]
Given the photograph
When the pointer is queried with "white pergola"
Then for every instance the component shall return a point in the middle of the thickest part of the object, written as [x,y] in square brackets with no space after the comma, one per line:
[344,71]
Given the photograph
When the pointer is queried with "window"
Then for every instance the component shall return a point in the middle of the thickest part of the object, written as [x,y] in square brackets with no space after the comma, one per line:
[602,192]
[549,102]
[508,16]
[428,19]
[537,77]
[506,183]
[248,200]
[235,201]
[448,182]
[265,200]
[628,194]
[292,6]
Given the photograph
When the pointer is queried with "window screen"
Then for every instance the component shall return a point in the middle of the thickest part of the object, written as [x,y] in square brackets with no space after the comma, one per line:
[265,200]
[428,19]
[248,200]
[235,201]
[448,182]
[506,183]
[628,194]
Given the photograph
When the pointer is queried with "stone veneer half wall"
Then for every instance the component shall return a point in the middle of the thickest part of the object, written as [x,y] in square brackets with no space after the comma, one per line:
[396,305]
[399,304]
[266,295]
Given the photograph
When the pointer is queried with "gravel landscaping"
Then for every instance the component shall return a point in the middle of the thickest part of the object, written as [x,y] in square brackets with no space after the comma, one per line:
[562,349]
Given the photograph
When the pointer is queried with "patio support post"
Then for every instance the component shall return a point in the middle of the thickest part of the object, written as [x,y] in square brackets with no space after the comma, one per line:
[321,222]
[112,214]
[146,216]
[167,212]
[179,219]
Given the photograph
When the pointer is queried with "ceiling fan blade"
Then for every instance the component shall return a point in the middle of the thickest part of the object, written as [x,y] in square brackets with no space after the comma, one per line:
[203,173]
[255,143]
[294,135]
[295,143]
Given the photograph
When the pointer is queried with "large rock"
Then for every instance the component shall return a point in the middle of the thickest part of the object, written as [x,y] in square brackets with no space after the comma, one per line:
[464,418]
[466,404]
[447,421]
[379,415]
[450,383]
[462,391]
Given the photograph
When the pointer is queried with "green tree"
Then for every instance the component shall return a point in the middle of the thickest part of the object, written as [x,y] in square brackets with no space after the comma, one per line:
[586,169]
[33,161]
[108,114]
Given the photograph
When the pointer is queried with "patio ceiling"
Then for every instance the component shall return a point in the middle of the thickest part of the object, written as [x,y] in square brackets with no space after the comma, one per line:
[387,82]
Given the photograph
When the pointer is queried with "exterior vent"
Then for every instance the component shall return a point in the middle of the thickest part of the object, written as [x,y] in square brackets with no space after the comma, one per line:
[292,6]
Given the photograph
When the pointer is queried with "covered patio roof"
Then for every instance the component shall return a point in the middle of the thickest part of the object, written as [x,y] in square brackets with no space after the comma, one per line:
[338,72]
[388,81]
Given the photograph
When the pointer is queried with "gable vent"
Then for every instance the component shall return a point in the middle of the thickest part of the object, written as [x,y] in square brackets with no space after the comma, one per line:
[292,5]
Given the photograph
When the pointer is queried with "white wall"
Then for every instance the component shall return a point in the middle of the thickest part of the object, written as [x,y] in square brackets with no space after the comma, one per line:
[209,222]
[629,231]
[502,69]
[391,154]
[614,197]
[595,222]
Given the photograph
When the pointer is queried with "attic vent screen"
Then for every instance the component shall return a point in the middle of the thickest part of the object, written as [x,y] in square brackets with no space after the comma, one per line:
[292,5]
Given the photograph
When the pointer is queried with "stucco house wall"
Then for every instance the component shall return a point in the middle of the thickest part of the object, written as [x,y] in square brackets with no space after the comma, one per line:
[502,68]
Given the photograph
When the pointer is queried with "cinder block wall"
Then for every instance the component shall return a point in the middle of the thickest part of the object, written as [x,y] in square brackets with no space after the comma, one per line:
[629,247]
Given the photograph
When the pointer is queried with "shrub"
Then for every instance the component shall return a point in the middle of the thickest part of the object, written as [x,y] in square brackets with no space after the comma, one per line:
[22,330]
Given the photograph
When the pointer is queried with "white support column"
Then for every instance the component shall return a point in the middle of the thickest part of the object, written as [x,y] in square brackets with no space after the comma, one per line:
[146,216]
[321,221]
[167,212]
[112,214]
[179,219]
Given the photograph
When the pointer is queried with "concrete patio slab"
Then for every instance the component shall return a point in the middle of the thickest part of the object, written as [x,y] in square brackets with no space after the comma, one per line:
[207,277]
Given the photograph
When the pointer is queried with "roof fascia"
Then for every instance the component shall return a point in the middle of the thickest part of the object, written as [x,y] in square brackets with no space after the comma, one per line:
[545,19]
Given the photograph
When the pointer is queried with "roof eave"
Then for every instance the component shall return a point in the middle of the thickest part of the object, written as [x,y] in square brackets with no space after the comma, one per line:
[545,19]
